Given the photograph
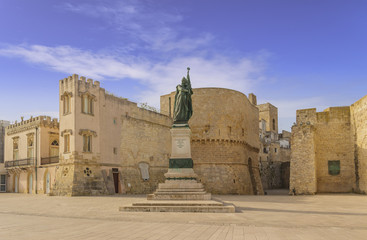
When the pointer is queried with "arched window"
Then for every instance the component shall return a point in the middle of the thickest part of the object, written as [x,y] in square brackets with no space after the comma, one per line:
[54,148]
[66,98]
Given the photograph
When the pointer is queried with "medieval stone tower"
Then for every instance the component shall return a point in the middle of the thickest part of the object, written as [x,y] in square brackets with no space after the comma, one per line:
[79,172]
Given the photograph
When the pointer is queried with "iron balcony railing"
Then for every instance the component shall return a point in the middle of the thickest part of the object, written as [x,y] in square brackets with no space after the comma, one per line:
[49,160]
[20,163]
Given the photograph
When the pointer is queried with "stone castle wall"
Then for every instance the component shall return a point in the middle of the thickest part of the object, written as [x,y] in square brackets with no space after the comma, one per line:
[225,139]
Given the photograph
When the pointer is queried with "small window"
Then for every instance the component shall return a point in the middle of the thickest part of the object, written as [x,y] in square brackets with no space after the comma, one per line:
[275,149]
[66,143]
[115,151]
[87,143]
[114,121]
[273,124]
[243,132]
[334,167]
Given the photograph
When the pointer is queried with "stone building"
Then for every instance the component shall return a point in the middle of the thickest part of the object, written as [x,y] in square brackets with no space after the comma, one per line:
[3,172]
[329,150]
[109,145]
[31,154]
[225,142]
[274,155]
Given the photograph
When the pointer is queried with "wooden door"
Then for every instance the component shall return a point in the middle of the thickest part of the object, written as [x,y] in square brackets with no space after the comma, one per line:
[116,182]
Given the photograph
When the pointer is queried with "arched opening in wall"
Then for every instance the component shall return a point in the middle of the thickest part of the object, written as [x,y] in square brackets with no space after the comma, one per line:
[273,124]
[252,176]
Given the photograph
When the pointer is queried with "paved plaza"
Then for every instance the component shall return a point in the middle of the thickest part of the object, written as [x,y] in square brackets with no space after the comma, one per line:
[340,216]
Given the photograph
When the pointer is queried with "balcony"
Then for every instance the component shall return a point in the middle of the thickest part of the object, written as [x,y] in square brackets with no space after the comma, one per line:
[49,160]
[20,163]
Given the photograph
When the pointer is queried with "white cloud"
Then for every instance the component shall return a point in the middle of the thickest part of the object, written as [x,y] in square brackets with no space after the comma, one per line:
[158,77]
[144,23]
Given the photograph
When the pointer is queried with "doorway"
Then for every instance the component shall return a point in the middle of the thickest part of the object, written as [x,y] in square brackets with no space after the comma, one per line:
[115,173]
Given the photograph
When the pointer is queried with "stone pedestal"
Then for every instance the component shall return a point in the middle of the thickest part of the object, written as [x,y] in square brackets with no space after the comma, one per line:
[181,192]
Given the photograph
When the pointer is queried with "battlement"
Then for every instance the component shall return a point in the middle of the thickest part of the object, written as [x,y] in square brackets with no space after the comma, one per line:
[331,114]
[40,121]
[68,84]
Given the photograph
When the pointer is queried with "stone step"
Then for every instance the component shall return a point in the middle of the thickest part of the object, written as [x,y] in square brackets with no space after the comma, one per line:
[180,185]
[180,190]
[203,209]
[179,193]
[179,196]
[177,203]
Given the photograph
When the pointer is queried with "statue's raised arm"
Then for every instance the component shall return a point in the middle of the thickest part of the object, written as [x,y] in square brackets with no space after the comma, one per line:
[182,111]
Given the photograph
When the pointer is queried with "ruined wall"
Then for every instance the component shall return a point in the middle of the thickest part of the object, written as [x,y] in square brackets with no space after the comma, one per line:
[318,139]
[359,128]
[225,140]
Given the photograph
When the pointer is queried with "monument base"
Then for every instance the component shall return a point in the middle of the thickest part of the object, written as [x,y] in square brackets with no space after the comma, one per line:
[181,192]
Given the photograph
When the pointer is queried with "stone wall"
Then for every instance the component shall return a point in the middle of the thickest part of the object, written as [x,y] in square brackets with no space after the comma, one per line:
[319,138]
[303,163]
[145,144]
[359,128]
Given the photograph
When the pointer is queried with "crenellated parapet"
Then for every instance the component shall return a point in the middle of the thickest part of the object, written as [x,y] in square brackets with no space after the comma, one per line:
[40,121]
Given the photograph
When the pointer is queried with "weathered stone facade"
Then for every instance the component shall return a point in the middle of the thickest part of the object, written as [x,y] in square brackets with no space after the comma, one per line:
[224,140]
[328,150]
[111,142]
[31,155]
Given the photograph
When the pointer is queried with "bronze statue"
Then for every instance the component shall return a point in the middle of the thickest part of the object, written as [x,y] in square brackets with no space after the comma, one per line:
[182,110]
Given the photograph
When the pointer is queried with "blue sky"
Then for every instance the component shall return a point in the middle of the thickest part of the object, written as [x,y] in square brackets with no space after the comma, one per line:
[293,54]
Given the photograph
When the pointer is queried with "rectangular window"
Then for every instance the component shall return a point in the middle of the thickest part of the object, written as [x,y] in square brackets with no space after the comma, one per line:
[334,167]
[30,144]
[275,149]
[115,151]
[15,149]
[87,143]
[2,183]
[87,104]
[66,104]
[66,143]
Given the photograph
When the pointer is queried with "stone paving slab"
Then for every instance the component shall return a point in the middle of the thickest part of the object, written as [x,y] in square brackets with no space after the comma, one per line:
[341,216]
